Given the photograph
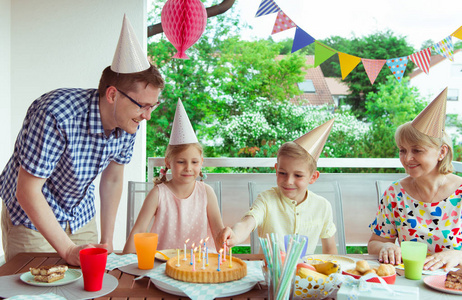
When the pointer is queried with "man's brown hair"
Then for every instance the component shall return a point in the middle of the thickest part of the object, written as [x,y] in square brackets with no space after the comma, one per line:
[126,82]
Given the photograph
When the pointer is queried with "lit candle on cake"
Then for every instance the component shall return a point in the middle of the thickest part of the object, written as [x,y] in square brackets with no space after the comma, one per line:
[219,259]
[178,255]
[194,259]
[200,250]
[203,261]
[230,257]
[185,248]
[192,254]
[224,251]
[206,251]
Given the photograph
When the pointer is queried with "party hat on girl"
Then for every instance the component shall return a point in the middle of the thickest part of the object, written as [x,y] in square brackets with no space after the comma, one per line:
[182,131]
[313,141]
[431,120]
[129,57]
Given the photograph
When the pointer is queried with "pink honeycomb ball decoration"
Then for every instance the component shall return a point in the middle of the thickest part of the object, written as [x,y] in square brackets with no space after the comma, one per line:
[183,22]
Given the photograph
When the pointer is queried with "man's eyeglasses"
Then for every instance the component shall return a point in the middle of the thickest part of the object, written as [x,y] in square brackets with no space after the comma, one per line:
[147,108]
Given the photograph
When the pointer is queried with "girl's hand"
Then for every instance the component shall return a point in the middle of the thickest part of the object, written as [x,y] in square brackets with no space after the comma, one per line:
[447,259]
[390,253]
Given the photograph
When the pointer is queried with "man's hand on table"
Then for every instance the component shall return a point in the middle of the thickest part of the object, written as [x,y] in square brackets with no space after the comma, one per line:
[72,255]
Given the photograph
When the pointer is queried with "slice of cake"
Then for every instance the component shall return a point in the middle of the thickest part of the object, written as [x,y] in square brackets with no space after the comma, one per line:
[50,273]
[454,280]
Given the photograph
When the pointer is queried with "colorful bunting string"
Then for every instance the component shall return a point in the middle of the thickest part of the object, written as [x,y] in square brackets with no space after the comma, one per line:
[398,66]
[283,22]
[267,7]
[422,59]
[349,62]
[322,53]
[445,48]
[373,67]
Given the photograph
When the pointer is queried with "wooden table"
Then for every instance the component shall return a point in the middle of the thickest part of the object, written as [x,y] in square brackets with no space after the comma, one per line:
[130,289]
[127,288]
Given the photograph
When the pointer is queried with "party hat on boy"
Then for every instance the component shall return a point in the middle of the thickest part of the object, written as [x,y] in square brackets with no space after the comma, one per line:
[313,141]
[431,120]
[129,57]
[182,131]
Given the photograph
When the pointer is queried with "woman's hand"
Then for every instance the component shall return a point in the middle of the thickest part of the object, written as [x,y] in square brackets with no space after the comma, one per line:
[390,253]
[447,259]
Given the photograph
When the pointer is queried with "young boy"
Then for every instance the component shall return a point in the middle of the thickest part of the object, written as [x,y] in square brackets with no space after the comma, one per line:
[290,208]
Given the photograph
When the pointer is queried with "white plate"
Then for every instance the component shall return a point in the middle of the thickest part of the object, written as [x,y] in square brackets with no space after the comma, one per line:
[169,252]
[70,276]
[165,287]
[437,282]
[344,261]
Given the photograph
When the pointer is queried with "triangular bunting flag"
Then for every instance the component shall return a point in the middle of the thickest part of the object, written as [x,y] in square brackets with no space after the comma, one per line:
[301,39]
[267,7]
[347,63]
[373,67]
[397,66]
[283,22]
[458,33]
[322,53]
[422,59]
[445,48]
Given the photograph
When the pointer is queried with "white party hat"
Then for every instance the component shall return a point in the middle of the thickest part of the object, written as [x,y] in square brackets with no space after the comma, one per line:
[182,131]
[431,120]
[313,141]
[129,57]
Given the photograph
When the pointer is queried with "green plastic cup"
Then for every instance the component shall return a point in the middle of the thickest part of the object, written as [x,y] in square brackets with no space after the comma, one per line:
[413,254]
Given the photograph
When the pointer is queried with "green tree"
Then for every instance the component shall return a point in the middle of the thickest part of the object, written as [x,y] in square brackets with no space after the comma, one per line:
[392,105]
[223,77]
[379,45]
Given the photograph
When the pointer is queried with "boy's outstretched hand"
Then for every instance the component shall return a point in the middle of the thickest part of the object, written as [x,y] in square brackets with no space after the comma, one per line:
[226,235]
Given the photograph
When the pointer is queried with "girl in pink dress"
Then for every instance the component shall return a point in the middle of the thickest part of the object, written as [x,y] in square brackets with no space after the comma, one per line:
[182,208]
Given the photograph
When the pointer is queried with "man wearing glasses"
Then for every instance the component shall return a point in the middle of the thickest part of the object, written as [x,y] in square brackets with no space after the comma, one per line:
[68,138]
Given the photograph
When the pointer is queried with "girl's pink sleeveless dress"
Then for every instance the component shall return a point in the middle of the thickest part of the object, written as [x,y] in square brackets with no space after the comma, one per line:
[177,220]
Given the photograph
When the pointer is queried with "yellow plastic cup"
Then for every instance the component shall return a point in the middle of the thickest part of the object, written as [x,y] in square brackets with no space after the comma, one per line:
[413,254]
[146,248]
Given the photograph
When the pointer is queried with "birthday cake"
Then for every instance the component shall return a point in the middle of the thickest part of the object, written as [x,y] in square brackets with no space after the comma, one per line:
[211,273]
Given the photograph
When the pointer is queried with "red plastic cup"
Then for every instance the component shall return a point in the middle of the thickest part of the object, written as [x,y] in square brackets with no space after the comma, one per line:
[93,264]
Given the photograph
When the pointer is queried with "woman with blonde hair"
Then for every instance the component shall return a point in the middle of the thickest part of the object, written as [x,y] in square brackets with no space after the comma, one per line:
[426,205]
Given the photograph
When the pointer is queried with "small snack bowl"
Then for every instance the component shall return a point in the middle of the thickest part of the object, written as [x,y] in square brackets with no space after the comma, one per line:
[390,279]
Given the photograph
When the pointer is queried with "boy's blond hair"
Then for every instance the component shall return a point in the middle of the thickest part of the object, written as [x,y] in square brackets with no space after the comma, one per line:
[406,133]
[171,152]
[295,151]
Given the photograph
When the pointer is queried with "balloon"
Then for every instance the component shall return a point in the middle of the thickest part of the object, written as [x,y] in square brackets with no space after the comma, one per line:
[183,22]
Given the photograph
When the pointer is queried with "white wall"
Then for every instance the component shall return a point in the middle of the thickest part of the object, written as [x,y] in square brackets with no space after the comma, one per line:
[440,77]
[5,103]
[63,43]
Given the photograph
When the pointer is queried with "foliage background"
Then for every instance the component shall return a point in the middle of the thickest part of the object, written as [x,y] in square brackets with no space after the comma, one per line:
[237,95]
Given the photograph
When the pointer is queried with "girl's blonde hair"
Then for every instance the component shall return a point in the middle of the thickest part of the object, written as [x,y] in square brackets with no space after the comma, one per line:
[295,151]
[406,133]
[170,154]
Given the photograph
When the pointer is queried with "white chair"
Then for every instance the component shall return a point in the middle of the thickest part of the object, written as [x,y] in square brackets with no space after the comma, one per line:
[137,192]
[327,189]
[381,186]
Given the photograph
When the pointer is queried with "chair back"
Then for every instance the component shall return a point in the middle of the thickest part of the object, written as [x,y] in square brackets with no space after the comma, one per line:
[327,189]
[381,186]
[137,192]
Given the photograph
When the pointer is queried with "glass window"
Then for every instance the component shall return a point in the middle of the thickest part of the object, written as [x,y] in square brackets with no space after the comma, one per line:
[307,86]
[453,95]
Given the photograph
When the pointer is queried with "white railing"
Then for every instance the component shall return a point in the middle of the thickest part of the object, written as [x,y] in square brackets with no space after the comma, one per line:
[269,162]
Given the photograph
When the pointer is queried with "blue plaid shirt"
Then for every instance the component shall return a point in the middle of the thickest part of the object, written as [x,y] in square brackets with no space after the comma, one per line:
[62,139]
